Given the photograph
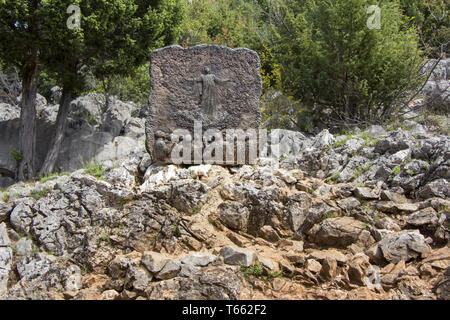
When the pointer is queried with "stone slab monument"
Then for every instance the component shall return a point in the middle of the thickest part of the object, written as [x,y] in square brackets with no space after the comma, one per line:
[204,105]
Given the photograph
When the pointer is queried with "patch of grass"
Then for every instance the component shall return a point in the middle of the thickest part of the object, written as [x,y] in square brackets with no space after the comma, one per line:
[53,176]
[361,170]
[211,220]
[39,194]
[340,143]
[368,141]
[5,197]
[123,203]
[330,215]
[312,190]
[334,177]
[122,227]
[397,170]
[442,208]
[410,172]
[196,209]
[255,270]
[84,270]
[89,118]
[274,274]
[175,231]
[94,169]
[104,237]
[376,219]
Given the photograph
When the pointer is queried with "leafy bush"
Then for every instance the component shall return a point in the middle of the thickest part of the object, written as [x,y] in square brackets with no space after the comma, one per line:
[343,71]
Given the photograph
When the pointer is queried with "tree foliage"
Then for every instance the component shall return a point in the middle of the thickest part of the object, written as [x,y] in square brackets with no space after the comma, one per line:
[339,67]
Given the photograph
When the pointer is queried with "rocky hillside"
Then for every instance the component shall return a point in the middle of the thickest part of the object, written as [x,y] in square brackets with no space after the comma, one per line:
[362,216]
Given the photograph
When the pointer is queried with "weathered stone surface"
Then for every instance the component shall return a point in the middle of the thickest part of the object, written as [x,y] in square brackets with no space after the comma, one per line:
[340,232]
[154,261]
[24,246]
[423,217]
[269,233]
[366,193]
[233,215]
[211,283]
[199,259]
[218,86]
[5,210]
[170,270]
[403,246]
[237,256]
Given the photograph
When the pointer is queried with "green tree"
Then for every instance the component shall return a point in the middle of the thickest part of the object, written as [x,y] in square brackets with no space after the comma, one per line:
[432,21]
[119,34]
[341,69]
[21,33]
[115,38]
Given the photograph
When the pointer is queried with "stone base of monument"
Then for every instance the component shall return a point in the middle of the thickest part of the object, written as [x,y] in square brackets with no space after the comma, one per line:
[204,105]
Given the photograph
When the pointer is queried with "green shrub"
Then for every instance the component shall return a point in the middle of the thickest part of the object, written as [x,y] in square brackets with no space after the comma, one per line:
[95,170]
[342,70]
[254,270]
[17,156]
[39,194]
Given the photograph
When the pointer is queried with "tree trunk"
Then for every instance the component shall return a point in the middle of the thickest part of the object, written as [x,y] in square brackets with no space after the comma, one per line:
[27,133]
[61,122]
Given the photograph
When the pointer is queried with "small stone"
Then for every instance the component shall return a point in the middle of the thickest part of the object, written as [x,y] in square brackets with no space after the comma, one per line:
[154,261]
[4,238]
[109,295]
[237,256]
[268,233]
[24,247]
[188,270]
[322,255]
[313,266]
[366,193]
[73,280]
[199,259]
[329,269]
[427,216]
[348,203]
[266,263]
[170,270]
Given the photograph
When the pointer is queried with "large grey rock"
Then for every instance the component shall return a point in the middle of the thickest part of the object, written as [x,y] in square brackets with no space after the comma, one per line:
[5,267]
[5,210]
[395,141]
[24,247]
[210,283]
[4,238]
[88,107]
[115,118]
[218,86]
[437,188]
[199,259]
[9,112]
[233,215]
[423,217]
[170,270]
[340,232]
[21,217]
[403,246]
[237,256]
